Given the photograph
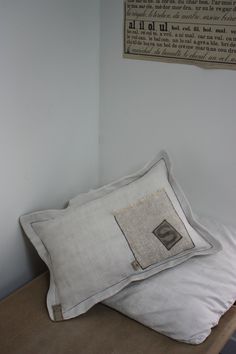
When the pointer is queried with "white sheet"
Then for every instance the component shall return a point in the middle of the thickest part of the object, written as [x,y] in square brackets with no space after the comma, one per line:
[185,302]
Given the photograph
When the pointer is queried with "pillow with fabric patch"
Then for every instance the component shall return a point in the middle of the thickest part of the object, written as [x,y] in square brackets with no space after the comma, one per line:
[185,302]
[153,229]
[119,234]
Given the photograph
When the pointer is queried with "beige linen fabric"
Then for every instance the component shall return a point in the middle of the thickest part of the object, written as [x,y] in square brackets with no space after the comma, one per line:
[153,229]
[86,252]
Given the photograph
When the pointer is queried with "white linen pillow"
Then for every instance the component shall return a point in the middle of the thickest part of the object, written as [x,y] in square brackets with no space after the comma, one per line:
[185,302]
[92,250]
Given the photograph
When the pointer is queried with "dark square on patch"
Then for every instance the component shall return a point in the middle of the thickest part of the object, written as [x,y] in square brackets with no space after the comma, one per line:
[167,234]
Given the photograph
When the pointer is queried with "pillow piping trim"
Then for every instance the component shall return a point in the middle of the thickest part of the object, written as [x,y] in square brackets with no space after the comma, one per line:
[26,223]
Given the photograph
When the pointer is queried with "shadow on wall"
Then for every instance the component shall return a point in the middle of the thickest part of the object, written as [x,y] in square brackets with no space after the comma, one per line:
[35,263]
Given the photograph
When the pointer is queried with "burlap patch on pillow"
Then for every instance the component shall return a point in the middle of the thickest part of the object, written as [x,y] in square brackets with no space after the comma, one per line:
[153,229]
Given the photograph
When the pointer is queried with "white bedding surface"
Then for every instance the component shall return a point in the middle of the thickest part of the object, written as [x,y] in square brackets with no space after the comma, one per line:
[185,302]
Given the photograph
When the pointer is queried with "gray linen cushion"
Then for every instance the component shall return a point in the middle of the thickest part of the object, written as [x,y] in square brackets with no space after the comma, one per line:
[185,302]
[90,256]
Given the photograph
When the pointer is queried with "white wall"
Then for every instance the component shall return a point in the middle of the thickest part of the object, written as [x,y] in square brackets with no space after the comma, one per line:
[49,98]
[146,106]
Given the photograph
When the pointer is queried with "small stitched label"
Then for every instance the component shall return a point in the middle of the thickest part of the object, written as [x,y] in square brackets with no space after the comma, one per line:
[167,234]
[135,265]
[57,312]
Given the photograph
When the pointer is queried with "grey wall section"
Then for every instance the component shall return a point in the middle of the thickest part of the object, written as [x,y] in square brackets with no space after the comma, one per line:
[146,106]
[49,98]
